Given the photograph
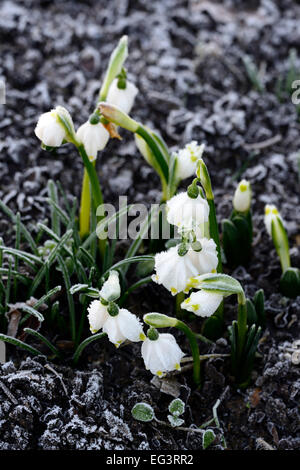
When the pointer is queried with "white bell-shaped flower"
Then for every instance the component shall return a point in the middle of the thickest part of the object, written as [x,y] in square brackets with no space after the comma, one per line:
[122,97]
[94,138]
[111,289]
[49,130]
[187,159]
[206,260]
[242,197]
[188,213]
[97,315]
[202,303]
[124,325]
[271,213]
[162,354]
[173,271]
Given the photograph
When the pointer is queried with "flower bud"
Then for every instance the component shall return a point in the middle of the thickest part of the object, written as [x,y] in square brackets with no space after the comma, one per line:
[159,320]
[111,289]
[242,197]
[271,213]
[117,116]
[116,61]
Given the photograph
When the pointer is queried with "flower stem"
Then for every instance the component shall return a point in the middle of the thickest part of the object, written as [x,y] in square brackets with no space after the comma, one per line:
[194,348]
[85,206]
[178,302]
[95,188]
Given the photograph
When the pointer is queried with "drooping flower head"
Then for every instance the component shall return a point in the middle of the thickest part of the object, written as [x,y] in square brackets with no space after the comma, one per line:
[124,325]
[187,159]
[188,213]
[94,137]
[50,128]
[161,353]
[202,303]
[174,268]
[122,97]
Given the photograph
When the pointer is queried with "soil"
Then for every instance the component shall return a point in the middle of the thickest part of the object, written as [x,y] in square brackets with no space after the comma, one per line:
[186,57]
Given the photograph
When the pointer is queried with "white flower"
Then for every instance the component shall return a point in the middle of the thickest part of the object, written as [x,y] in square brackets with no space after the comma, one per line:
[205,260]
[174,271]
[187,159]
[123,98]
[123,326]
[111,289]
[94,138]
[188,213]
[271,213]
[202,303]
[49,130]
[242,197]
[162,355]
[97,315]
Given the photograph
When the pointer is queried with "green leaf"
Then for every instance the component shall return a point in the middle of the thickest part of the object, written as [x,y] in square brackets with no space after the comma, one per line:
[142,412]
[134,259]
[259,303]
[85,289]
[23,229]
[175,421]
[290,283]
[47,296]
[85,343]
[43,340]
[251,313]
[55,222]
[135,246]
[230,242]
[28,258]
[31,311]
[20,344]
[281,242]
[208,438]
[41,273]
[177,407]
[218,283]
[67,281]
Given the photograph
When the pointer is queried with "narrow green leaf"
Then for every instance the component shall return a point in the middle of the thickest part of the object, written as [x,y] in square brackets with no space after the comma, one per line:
[20,344]
[85,343]
[43,340]
[55,222]
[124,262]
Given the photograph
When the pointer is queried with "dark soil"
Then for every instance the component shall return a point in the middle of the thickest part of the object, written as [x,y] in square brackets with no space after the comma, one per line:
[186,59]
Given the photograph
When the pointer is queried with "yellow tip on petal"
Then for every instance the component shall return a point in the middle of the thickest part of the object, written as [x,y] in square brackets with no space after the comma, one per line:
[173,290]
[159,373]
[243,187]
[118,344]
[195,307]
[177,366]
[142,337]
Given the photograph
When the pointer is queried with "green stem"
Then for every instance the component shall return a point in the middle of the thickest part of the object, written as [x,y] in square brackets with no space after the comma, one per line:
[194,348]
[214,231]
[95,186]
[85,206]
[162,163]
[242,324]
[178,301]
